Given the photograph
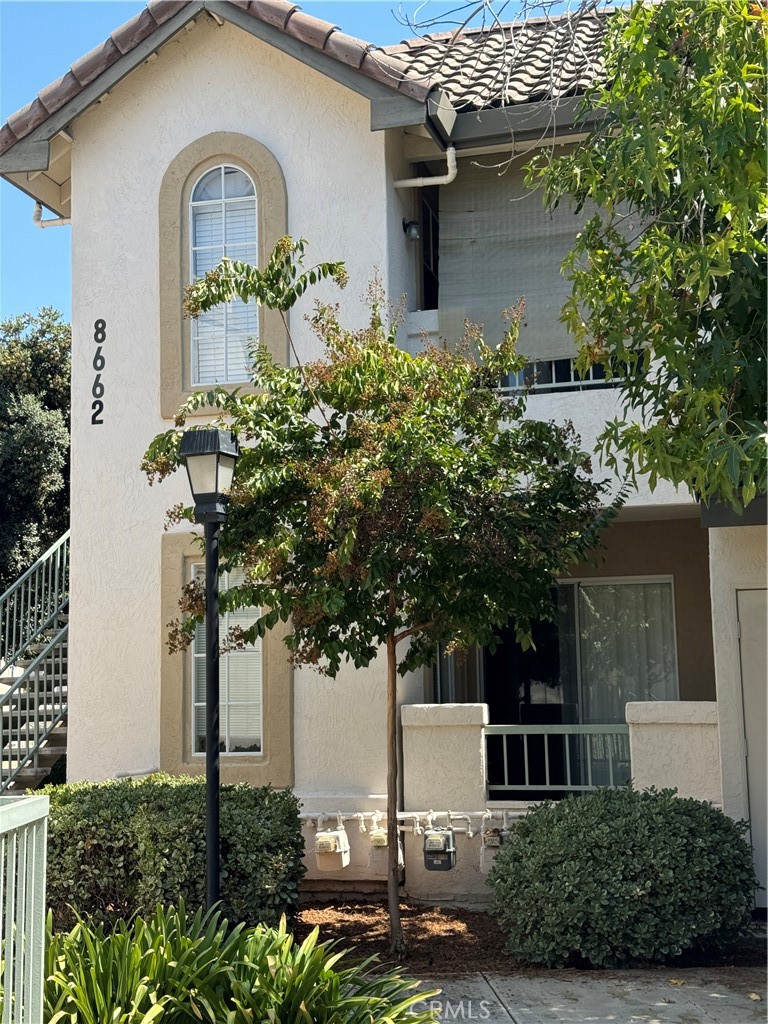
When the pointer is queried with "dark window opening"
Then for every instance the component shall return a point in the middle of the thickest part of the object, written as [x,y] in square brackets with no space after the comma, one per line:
[430,245]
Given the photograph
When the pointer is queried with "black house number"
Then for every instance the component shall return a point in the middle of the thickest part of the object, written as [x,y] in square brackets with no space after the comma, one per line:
[97,390]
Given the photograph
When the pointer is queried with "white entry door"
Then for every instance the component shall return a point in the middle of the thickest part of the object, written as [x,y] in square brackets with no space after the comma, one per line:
[753,614]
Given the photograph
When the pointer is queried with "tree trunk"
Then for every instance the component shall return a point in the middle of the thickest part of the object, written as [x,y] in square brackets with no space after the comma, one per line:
[397,943]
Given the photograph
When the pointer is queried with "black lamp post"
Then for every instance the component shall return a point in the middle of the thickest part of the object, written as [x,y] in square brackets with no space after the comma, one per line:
[210,457]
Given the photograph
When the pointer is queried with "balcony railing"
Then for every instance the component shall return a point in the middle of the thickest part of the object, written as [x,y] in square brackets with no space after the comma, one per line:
[547,376]
[23,828]
[537,761]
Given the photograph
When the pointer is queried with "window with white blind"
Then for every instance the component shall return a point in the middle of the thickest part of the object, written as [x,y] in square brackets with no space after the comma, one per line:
[223,222]
[240,714]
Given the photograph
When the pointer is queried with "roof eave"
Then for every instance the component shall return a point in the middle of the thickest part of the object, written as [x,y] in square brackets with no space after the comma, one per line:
[32,154]
[396,102]
[521,122]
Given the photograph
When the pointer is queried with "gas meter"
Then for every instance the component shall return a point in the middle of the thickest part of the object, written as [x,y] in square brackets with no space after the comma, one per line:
[492,838]
[378,837]
[439,849]
[332,849]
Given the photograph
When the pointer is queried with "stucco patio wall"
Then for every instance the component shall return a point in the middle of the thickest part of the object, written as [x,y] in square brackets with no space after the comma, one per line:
[675,744]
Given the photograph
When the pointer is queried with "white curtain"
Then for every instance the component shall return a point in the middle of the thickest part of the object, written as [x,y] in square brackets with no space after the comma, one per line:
[627,647]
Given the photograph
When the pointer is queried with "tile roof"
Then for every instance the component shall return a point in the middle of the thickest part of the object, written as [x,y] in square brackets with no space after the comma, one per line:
[541,59]
[287,17]
[545,58]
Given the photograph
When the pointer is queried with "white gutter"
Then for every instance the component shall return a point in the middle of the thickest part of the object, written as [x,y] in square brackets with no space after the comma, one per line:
[442,179]
[54,222]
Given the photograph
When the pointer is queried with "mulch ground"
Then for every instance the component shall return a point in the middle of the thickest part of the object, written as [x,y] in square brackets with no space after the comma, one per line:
[443,940]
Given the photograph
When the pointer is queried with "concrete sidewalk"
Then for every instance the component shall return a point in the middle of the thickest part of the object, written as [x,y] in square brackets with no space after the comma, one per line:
[718,996]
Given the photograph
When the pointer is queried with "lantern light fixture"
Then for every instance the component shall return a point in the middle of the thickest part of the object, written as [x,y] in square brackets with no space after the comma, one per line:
[210,457]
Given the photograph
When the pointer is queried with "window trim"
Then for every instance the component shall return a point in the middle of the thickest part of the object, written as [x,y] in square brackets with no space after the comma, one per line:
[182,174]
[274,765]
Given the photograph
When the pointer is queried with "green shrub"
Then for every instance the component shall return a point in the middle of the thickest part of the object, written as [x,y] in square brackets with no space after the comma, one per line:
[173,968]
[119,848]
[618,876]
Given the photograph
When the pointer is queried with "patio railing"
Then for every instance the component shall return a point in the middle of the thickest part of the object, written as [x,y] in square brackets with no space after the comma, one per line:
[550,760]
[23,830]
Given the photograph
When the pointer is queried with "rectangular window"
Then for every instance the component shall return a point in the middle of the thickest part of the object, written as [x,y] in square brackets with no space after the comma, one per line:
[611,641]
[240,682]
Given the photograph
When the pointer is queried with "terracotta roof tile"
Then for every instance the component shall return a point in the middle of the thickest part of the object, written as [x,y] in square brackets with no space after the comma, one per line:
[163,10]
[134,31]
[543,58]
[309,30]
[7,138]
[95,61]
[273,12]
[382,68]
[59,92]
[27,119]
[347,49]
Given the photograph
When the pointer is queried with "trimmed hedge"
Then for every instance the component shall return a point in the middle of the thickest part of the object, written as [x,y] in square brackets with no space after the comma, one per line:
[119,848]
[618,877]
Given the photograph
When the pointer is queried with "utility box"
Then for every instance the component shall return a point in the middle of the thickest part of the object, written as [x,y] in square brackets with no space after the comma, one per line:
[439,849]
[332,849]
[492,838]
[378,837]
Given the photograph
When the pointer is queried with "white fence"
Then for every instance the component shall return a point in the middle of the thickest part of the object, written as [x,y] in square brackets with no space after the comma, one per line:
[23,832]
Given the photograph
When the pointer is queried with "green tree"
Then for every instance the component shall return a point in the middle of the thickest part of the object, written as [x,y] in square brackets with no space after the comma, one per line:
[34,437]
[386,500]
[669,276]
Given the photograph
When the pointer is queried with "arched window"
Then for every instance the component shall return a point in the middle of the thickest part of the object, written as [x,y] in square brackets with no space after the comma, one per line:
[223,222]
[223,194]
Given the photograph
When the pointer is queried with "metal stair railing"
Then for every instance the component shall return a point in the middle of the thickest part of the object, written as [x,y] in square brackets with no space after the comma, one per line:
[31,708]
[33,603]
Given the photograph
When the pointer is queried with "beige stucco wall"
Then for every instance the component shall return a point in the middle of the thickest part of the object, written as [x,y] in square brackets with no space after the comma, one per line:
[677,548]
[589,411]
[444,770]
[675,744]
[209,79]
[737,561]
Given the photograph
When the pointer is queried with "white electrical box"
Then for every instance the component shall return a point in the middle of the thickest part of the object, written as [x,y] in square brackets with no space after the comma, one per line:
[332,849]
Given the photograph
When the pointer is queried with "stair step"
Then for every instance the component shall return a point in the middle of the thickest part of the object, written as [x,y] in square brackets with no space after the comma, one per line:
[58,738]
[27,697]
[27,715]
[31,774]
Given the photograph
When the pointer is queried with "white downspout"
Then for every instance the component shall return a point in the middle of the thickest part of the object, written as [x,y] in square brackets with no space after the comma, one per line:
[54,222]
[442,179]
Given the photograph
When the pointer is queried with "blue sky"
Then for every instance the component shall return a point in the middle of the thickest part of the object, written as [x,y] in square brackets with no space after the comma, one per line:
[39,39]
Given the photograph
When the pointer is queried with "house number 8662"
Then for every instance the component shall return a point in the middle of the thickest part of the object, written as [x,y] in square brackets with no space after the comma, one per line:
[97,406]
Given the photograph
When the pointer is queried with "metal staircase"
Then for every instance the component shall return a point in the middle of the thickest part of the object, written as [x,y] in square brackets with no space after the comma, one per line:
[33,670]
